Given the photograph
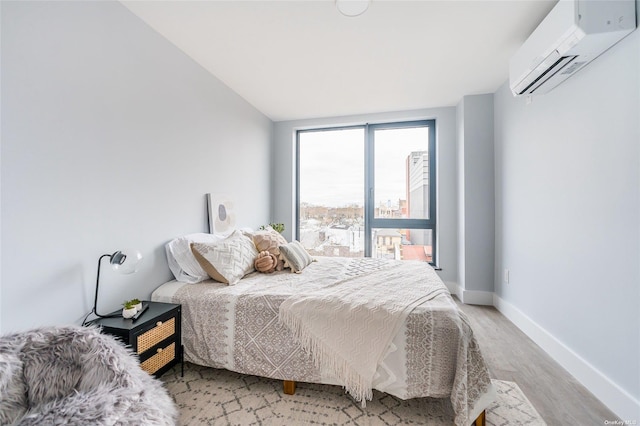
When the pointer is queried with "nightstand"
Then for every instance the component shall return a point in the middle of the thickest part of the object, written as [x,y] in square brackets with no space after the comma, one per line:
[155,337]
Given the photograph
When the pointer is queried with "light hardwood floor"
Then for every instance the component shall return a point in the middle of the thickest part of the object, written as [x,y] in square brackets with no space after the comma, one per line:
[511,355]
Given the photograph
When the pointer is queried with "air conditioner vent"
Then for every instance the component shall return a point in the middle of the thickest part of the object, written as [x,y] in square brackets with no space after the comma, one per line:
[573,34]
[547,74]
[573,67]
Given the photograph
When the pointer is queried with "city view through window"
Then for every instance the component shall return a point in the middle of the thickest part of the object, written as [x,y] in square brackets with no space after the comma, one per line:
[333,194]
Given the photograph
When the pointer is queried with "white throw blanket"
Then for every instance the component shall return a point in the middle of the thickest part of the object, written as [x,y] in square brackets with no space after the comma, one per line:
[348,327]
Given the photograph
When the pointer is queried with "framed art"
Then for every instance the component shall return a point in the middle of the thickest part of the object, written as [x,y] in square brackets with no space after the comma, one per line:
[222,217]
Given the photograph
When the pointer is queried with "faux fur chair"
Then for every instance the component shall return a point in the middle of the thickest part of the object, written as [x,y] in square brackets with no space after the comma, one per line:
[77,376]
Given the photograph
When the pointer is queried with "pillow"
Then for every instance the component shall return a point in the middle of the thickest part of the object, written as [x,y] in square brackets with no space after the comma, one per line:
[226,261]
[269,240]
[266,262]
[181,261]
[295,256]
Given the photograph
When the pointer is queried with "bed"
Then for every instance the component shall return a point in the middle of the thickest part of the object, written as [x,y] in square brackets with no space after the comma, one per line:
[432,351]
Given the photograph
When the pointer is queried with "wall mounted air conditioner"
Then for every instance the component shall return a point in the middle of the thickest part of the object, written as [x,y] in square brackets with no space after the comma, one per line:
[573,34]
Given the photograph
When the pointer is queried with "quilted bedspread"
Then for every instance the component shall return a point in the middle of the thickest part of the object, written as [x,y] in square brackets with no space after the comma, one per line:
[432,354]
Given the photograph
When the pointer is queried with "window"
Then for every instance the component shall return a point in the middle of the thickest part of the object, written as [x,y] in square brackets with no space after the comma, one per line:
[368,191]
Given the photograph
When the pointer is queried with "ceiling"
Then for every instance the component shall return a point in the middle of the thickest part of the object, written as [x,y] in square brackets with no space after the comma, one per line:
[303,59]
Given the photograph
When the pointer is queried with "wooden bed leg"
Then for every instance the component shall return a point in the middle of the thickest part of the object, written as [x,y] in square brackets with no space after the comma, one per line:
[481,420]
[289,387]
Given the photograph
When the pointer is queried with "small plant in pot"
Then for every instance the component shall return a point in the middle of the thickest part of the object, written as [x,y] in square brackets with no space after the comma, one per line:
[129,309]
[137,304]
[279,227]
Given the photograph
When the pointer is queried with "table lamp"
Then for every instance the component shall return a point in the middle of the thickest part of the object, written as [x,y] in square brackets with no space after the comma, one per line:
[125,262]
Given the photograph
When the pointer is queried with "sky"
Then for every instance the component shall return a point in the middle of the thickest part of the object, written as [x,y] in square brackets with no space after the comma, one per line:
[332,164]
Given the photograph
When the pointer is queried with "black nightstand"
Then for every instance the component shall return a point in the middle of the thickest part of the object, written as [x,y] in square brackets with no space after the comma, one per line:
[155,337]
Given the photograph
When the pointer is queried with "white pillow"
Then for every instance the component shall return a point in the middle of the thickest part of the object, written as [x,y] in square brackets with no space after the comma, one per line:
[181,261]
[295,256]
[229,260]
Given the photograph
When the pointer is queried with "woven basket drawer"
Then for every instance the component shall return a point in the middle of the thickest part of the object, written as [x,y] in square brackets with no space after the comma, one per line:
[159,360]
[156,335]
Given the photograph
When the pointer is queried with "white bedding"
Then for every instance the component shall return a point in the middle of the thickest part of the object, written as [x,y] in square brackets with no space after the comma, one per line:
[389,377]
[236,327]
[165,292]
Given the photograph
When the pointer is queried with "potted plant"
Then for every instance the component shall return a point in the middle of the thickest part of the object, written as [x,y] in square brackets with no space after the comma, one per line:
[129,309]
[137,304]
[279,227]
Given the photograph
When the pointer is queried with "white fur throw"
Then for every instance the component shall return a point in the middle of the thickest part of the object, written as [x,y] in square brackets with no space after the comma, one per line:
[76,376]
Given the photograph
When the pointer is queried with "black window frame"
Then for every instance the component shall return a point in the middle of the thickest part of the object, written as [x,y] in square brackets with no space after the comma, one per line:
[370,220]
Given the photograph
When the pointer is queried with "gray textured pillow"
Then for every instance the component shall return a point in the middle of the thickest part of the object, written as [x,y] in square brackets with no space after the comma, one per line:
[295,256]
[229,260]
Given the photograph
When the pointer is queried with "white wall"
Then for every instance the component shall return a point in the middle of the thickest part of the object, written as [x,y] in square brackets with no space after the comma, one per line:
[460,195]
[0,174]
[283,207]
[475,198]
[568,221]
[110,138]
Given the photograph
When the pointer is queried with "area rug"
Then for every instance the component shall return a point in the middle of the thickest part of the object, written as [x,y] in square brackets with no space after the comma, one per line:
[208,396]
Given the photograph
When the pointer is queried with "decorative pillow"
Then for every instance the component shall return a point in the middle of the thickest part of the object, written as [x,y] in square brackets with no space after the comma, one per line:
[295,256]
[269,240]
[226,261]
[181,261]
[265,262]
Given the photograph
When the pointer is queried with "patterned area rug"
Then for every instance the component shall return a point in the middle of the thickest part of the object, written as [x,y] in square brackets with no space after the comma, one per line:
[208,396]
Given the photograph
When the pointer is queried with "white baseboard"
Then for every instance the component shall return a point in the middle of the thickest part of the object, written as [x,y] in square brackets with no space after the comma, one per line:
[470,297]
[613,396]
[474,297]
[453,287]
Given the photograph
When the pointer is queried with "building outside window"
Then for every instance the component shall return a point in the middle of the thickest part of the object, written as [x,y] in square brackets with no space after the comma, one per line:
[368,191]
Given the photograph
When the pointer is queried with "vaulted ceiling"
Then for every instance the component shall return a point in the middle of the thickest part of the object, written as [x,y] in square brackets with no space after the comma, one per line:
[303,59]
